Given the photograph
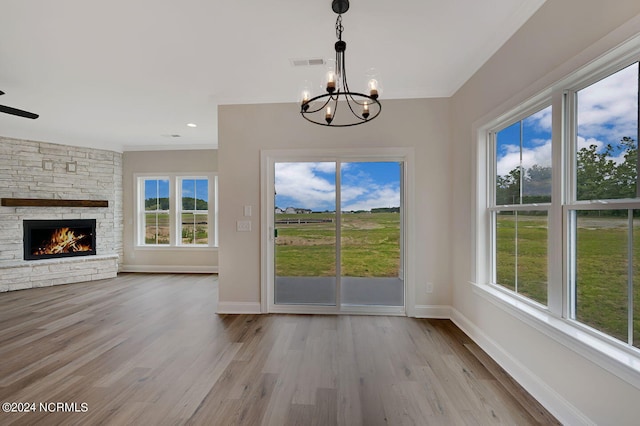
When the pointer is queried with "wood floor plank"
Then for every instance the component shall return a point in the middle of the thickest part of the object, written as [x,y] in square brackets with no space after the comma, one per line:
[149,349]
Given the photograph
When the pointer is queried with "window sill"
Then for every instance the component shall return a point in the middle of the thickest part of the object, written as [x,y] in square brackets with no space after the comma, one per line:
[622,362]
[180,248]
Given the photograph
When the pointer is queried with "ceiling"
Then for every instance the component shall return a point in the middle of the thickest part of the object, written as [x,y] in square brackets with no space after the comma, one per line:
[130,74]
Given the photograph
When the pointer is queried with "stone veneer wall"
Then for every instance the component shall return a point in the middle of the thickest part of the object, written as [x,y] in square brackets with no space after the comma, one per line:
[98,176]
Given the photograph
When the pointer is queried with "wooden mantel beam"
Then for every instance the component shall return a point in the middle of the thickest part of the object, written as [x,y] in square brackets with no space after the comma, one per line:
[50,202]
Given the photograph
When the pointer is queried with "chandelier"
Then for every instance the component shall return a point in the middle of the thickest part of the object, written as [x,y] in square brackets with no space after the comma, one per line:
[355,108]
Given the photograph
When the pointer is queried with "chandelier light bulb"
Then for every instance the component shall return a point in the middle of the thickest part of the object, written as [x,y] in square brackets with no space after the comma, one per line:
[373,88]
[328,116]
[331,81]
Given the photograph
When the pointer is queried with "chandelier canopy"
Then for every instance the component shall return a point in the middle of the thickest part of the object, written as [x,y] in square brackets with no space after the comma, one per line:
[355,108]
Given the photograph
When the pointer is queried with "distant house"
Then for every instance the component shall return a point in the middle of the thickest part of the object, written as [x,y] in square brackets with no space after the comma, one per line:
[294,210]
[279,210]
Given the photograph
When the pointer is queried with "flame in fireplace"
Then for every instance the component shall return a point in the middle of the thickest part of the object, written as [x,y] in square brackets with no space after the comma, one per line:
[63,240]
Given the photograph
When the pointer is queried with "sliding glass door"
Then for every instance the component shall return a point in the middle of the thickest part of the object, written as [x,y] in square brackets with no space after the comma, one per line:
[338,234]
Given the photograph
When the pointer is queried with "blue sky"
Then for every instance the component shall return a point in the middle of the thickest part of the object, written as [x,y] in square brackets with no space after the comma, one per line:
[196,188]
[536,143]
[365,185]
[607,111]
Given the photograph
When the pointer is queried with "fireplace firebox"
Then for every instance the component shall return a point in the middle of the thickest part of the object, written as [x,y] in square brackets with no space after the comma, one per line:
[45,239]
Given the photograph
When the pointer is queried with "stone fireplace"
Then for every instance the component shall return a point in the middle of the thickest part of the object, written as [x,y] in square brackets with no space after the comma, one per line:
[85,199]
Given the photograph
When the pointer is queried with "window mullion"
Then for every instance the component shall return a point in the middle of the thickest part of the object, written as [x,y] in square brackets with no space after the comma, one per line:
[557,272]
[630,276]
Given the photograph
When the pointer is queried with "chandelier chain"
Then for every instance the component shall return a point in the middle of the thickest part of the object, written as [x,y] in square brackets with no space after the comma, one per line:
[339,27]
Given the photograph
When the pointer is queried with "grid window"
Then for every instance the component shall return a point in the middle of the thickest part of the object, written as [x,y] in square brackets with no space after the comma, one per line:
[194,214]
[177,211]
[156,222]
[522,193]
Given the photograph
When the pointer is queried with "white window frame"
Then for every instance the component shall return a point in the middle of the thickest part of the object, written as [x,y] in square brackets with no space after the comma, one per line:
[180,210]
[175,209]
[555,319]
[142,211]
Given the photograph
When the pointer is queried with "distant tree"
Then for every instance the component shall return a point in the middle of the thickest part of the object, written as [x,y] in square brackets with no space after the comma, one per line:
[599,177]
[626,175]
[386,210]
[188,203]
[508,188]
[537,185]
[156,204]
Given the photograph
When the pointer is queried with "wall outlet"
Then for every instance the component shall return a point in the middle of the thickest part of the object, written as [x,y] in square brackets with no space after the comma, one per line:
[243,226]
[429,287]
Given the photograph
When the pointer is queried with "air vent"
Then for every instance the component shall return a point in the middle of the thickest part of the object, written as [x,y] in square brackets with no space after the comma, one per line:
[307,62]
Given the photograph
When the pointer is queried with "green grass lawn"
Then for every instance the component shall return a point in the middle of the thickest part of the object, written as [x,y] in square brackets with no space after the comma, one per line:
[601,268]
[370,245]
[194,228]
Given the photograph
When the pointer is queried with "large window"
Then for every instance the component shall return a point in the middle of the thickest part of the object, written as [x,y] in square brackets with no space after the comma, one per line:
[563,208]
[177,210]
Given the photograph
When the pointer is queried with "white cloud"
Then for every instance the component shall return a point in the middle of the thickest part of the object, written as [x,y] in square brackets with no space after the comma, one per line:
[607,110]
[300,182]
[540,155]
[376,197]
[305,187]
[542,119]
[586,143]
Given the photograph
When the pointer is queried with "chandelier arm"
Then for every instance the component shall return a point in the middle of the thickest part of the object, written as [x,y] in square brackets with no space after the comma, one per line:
[326,95]
[355,114]
[351,95]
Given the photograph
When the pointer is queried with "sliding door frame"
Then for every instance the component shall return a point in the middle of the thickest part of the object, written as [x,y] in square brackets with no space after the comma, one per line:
[268,159]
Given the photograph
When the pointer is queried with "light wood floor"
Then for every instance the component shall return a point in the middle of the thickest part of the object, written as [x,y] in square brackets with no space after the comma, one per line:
[149,350]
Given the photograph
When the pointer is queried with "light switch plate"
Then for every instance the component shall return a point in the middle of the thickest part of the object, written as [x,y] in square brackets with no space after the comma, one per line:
[243,226]
[247,211]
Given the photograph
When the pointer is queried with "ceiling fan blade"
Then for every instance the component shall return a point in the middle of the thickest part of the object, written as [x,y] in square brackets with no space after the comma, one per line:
[18,112]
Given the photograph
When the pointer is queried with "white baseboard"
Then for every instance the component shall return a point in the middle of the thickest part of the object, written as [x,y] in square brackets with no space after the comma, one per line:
[238,308]
[432,311]
[562,409]
[170,269]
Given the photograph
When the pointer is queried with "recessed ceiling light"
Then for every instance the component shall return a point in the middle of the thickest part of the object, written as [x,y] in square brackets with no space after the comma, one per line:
[192,125]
